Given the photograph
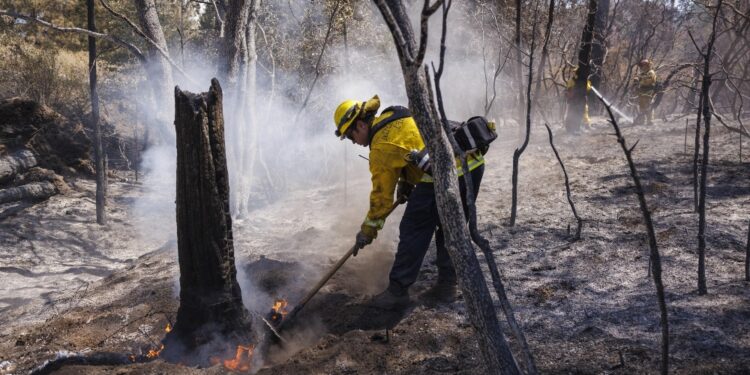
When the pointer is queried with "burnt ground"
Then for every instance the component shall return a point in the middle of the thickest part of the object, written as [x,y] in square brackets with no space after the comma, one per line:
[586,306]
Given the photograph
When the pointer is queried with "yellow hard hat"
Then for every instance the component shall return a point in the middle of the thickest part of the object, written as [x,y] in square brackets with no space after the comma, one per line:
[349,110]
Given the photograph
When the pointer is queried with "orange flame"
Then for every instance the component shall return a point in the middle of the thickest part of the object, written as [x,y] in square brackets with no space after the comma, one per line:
[241,362]
[279,309]
[153,353]
[168,328]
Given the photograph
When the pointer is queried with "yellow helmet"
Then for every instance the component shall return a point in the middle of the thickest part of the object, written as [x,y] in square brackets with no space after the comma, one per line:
[349,110]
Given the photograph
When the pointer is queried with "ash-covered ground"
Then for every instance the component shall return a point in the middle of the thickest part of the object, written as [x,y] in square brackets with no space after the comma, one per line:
[70,286]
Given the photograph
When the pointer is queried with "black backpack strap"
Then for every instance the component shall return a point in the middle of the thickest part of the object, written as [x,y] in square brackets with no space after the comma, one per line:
[399,112]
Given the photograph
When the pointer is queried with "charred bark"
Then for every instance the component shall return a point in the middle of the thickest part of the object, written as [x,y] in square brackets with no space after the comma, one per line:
[210,297]
[101,170]
[493,346]
[655,257]
[578,100]
[599,47]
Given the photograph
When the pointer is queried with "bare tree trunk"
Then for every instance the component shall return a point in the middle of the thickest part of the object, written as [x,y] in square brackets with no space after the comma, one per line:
[101,170]
[545,51]
[705,92]
[578,101]
[494,349]
[519,67]
[655,258]
[517,153]
[209,292]
[480,241]
[599,47]
[747,256]
[158,68]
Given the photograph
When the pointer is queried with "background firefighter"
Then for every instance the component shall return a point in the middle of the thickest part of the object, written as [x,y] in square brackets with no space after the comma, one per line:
[646,90]
[569,92]
[392,136]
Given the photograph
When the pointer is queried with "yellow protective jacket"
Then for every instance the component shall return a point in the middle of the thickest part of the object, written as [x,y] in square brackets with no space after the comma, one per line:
[389,148]
[647,82]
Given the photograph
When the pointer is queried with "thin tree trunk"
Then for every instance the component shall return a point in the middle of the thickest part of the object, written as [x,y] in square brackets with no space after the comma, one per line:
[209,293]
[493,347]
[158,68]
[655,258]
[599,47]
[519,66]
[579,221]
[517,153]
[705,99]
[480,241]
[545,51]
[696,151]
[101,171]
[747,256]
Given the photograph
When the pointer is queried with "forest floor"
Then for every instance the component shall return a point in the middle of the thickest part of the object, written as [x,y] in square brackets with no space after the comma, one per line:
[70,286]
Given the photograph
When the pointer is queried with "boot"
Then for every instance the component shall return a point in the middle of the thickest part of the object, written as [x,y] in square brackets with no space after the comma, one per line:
[444,291]
[393,298]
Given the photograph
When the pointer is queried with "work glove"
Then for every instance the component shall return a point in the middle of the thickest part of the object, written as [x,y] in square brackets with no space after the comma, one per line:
[361,241]
[403,190]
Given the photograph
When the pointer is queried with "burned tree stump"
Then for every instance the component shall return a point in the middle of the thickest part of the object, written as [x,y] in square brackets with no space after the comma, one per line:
[210,299]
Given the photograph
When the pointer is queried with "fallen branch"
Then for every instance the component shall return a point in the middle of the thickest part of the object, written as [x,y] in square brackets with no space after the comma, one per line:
[655,257]
[579,221]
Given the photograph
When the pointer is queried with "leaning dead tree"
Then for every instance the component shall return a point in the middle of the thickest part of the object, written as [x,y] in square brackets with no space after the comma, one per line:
[494,349]
[480,241]
[706,111]
[655,258]
[579,221]
[101,171]
[210,297]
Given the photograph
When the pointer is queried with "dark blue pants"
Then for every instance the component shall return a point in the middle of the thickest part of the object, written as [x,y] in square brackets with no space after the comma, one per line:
[419,223]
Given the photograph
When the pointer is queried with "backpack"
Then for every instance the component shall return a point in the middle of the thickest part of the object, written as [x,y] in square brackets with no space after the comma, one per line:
[475,134]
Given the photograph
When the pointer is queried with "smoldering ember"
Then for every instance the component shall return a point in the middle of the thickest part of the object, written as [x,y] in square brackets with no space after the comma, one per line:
[374,187]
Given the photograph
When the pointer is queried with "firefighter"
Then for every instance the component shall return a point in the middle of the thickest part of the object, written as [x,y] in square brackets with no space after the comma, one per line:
[646,90]
[569,92]
[391,136]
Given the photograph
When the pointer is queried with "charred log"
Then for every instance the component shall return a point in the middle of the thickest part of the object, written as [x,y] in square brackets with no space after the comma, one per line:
[18,162]
[34,191]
